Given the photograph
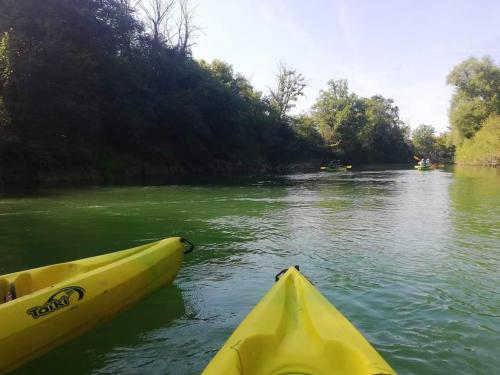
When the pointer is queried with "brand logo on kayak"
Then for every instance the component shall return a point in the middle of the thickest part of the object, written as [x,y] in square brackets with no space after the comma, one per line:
[58,300]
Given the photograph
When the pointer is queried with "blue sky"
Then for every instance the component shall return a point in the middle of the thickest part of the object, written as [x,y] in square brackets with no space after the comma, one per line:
[400,49]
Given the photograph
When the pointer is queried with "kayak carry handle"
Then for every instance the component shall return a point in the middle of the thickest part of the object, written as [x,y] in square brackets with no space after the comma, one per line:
[282,272]
[189,244]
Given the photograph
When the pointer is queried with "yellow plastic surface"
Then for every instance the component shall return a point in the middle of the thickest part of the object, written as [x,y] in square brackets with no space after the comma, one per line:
[295,330]
[59,302]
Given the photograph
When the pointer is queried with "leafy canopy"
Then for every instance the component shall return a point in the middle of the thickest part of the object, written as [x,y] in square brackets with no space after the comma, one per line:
[476,96]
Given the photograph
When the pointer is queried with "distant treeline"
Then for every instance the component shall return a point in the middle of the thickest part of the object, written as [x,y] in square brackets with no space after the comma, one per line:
[102,86]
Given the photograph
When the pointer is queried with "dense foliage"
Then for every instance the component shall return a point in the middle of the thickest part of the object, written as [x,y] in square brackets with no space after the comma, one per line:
[361,129]
[427,144]
[424,139]
[476,98]
[484,147]
[82,82]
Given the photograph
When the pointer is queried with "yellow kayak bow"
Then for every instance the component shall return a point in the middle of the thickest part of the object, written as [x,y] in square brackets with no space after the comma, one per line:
[295,330]
[50,305]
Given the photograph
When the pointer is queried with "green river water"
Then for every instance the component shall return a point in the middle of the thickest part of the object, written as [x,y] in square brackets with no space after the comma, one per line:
[411,258]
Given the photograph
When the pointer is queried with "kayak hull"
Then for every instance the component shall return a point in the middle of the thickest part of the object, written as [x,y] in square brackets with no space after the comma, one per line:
[327,169]
[295,330]
[59,302]
[423,168]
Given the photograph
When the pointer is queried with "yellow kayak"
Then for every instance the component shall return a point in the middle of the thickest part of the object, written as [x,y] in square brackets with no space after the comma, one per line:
[295,330]
[44,307]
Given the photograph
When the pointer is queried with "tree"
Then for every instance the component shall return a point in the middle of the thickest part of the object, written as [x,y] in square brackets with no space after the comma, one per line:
[366,130]
[129,6]
[444,150]
[187,30]
[476,96]
[424,140]
[340,115]
[158,14]
[171,23]
[289,87]
[382,138]
[307,128]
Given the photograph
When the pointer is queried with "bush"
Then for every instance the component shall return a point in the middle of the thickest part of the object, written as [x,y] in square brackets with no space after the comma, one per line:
[484,147]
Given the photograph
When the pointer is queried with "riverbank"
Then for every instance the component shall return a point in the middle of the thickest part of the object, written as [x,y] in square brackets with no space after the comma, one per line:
[128,169]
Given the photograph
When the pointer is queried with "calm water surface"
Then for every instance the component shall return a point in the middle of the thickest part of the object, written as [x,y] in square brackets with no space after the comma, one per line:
[411,258]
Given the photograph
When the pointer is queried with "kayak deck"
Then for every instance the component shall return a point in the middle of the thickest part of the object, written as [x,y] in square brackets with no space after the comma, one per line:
[30,281]
[56,303]
[295,330]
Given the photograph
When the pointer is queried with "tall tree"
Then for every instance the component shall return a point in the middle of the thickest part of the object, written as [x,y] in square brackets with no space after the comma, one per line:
[382,138]
[158,16]
[340,115]
[424,140]
[361,129]
[171,23]
[290,86]
[476,96]
[187,30]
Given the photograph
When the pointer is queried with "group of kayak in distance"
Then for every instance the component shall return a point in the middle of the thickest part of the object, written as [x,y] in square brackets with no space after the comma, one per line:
[334,166]
[338,166]
[292,330]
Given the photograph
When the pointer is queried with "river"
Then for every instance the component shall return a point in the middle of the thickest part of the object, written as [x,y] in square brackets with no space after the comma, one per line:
[412,258]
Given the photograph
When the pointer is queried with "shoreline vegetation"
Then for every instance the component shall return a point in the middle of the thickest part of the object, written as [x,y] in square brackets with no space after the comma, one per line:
[475,112]
[93,90]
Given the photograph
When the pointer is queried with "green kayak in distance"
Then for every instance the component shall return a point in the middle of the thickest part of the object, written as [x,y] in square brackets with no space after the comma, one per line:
[334,166]
[342,168]
[423,167]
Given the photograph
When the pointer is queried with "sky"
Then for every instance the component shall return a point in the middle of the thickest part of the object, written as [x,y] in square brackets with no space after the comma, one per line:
[400,49]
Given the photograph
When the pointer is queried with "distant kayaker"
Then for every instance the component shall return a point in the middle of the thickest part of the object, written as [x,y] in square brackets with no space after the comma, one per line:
[427,162]
[422,162]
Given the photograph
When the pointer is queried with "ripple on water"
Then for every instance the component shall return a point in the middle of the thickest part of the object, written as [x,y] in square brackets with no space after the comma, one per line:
[411,259]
